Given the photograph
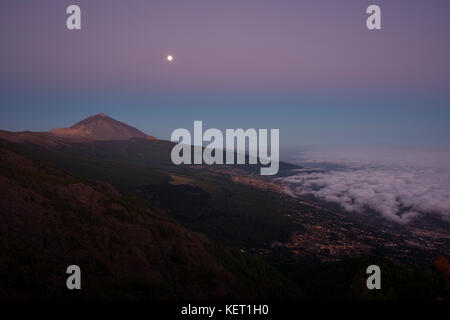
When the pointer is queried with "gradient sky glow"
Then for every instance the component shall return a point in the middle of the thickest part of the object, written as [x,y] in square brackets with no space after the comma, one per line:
[308,67]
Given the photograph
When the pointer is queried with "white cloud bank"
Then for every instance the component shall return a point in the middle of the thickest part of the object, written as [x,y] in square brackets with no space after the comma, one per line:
[399,183]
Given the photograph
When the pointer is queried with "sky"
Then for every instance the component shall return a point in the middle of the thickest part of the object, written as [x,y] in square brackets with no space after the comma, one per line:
[310,68]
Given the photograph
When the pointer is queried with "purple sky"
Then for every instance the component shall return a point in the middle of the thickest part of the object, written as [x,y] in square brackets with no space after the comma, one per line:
[226,45]
[256,49]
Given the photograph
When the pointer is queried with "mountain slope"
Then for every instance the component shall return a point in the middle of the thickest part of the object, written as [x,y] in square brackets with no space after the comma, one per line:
[231,212]
[50,220]
[101,127]
[230,204]
[233,204]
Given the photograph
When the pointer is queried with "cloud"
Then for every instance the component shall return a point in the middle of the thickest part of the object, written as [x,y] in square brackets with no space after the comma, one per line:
[399,183]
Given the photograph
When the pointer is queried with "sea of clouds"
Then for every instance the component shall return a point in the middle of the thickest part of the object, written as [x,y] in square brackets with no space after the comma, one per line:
[400,183]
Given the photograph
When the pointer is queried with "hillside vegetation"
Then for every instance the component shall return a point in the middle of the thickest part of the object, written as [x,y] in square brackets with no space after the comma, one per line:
[50,219]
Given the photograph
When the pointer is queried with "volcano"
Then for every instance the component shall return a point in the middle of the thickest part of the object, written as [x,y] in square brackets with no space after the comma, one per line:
[101,127]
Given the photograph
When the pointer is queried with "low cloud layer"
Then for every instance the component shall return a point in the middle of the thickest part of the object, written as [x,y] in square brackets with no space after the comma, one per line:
[398,183]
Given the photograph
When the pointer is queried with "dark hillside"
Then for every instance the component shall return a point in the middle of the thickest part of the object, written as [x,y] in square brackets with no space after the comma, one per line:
[49,220]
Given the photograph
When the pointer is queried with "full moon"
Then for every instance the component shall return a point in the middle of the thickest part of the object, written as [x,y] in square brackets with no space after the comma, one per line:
[169,58]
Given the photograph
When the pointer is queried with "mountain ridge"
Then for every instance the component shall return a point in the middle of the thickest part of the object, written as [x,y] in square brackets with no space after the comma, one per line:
[101,127]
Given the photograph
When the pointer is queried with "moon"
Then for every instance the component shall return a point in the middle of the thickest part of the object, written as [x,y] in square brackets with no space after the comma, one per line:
[169,58]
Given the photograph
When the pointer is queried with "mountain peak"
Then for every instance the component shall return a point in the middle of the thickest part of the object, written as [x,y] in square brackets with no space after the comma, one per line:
[101,127]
